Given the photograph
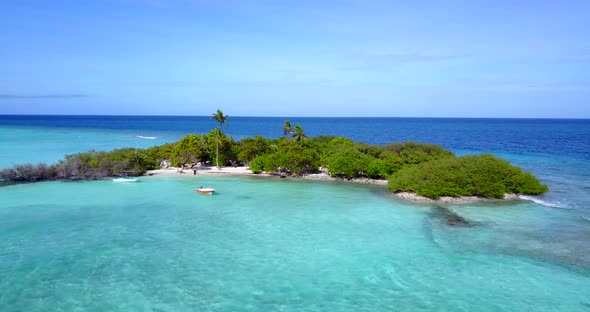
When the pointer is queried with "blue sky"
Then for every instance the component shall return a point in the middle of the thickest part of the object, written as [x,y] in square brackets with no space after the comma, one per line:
[296,58]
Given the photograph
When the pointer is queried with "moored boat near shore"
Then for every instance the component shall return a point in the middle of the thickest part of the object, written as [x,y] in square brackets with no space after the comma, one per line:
[125,180]
[205,191]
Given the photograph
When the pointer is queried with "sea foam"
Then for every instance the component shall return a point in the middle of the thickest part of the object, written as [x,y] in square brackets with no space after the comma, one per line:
[146,137]
[543,202]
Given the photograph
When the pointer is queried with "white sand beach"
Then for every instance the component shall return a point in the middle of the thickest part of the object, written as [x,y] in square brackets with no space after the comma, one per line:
[245,171]
[212,170]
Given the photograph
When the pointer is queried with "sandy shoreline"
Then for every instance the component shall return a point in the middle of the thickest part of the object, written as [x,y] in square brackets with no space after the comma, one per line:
[172,171]
[245,171]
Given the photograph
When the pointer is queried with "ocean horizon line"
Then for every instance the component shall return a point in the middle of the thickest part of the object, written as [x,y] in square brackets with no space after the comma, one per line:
[309,117]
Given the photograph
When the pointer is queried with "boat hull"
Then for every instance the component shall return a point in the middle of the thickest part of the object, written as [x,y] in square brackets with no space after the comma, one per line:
[205,191]
[124,180]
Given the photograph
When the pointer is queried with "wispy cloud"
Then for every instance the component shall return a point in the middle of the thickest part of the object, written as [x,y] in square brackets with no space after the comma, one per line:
[41,96]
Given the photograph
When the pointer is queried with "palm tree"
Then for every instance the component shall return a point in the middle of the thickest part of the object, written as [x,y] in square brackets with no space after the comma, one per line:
[220,118]
[287,127]
[217,132]
[298,134]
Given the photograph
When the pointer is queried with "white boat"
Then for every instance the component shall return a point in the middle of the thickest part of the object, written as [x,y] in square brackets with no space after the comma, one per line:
[125,179]
[205,190]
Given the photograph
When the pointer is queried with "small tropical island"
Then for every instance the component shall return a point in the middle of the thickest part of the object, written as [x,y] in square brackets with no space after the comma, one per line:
[425,170]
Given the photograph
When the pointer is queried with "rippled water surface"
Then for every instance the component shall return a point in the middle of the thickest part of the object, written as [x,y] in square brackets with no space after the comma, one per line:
[261,245]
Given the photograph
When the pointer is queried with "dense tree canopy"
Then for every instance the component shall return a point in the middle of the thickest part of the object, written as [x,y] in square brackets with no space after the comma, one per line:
[473,175]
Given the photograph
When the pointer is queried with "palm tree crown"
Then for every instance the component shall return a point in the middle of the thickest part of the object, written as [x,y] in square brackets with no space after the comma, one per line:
[220,118]
[298,134]
[287,127]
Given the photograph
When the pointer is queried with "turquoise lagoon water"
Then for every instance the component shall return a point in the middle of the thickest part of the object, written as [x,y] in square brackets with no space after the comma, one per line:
[38,144]
[291,245]
[262,245]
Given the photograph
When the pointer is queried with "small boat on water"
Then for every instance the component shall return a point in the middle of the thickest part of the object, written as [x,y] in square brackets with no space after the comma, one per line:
[205,190]
[125,179]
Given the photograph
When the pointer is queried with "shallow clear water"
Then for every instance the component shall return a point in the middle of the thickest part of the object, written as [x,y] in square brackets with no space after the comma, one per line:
[271,244]
[261,245]
[32,144]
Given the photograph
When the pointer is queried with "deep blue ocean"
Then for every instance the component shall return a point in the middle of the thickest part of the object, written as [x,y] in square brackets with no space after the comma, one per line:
[548,136]
[263,245]
[559,137]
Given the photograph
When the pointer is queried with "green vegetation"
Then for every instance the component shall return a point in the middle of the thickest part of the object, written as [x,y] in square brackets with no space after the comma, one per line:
[299,134]
[347,159]
[290,157]
[287,127]
[481,175]
[221,119]
[348,162]
[189,149]
[250,148]
[84,166]
[428,170]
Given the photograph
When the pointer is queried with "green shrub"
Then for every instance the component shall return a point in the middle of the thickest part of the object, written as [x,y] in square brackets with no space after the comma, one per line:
[339,141]
[292,157]
[321,139]
[161,152]
[371,149]
[378,169]
[190,149]
[349,163]
[482,175]
[393,161]
[227,148]
[250,148]
[257,164]
[414,153]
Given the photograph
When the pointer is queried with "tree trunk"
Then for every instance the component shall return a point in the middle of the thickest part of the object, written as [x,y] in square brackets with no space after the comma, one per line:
[217,148]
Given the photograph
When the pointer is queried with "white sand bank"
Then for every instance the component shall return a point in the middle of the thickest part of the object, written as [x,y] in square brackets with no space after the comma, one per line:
[245,171]
[201,171]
